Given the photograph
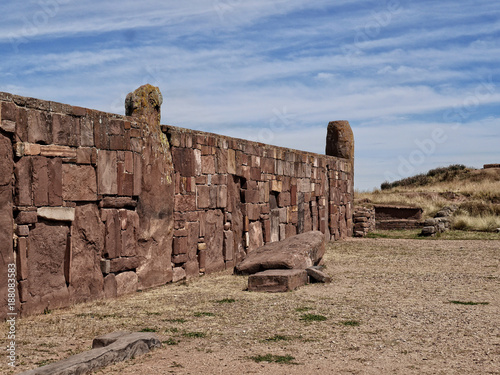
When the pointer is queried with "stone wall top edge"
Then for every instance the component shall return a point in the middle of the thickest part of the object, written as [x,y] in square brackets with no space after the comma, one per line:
[56,107]
[166,128]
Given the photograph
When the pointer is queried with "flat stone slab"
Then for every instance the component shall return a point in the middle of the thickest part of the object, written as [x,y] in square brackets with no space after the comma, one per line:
[296,252]
[317,275]
[276,281]
[107,349]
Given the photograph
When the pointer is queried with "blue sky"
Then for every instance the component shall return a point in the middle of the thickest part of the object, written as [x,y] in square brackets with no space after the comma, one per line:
[417,80]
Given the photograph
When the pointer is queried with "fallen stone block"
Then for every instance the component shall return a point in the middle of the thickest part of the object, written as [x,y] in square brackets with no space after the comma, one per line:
[108,349]
[296,252]
[276,281]
[317,275]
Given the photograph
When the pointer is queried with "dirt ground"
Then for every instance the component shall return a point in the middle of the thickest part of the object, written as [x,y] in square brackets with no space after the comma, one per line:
[394,306]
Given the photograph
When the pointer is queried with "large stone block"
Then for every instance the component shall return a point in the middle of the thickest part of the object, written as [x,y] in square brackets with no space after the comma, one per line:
[65,130]
[48,257]
[6,243]
[107,176]
[87,244]
[185,203]
[55,181]
[187,161]
[228,245]
[126,283]
[23,173]
[129,221]
[6,161]
[113,241]
[255,235]
[277,280]
[79,182]
[40,181]
[297,252]
[39,127]
[214,237]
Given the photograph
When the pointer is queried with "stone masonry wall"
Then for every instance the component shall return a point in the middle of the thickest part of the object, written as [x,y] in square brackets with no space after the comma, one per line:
[232,196]
[95,205]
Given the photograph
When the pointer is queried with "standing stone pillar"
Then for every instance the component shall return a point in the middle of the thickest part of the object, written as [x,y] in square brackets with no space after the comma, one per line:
[156,200]
[340,143]
[340,140]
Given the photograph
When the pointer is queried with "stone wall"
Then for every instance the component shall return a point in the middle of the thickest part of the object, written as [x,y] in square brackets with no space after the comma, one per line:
[95,205]
[232,196]
[364,221]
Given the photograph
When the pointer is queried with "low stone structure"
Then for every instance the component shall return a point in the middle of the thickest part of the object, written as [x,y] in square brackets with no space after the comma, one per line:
[297,252]
[488,166]
[106,350]
[277,280]
[364,221]
[397,217]
[440,223]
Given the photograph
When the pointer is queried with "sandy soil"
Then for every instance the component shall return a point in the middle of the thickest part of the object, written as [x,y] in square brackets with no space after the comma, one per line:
[389,310]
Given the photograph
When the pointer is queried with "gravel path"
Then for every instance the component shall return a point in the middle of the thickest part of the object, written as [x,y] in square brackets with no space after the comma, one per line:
[394,307]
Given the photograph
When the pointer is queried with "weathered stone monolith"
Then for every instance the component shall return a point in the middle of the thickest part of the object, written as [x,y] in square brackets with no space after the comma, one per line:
[340,140]
[156,200]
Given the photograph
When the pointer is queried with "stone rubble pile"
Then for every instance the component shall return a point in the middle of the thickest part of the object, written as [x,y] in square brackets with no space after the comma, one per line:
[440,223]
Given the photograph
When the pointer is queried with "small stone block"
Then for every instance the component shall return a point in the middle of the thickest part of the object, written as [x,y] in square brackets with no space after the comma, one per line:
[318,275]
[276,281]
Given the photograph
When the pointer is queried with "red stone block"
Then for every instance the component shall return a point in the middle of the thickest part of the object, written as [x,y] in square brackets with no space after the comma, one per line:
[267,231]
[253,211]
[180,246]
[193,229]
[118,142]
[116,127]
[65,130]
[222,196]
[55,182]
[101,138]
[26,217]
[185,203]
[79,183]
[86,132]
[23,173]
[290,230]
[186,161]
[192,269]
[21,259]
[293,195]
[40,181]
[107,173]
[110,286]
[9,111]
[251,196]
[179,259]
[113,241]
[203,196]
[221,161]
[255,174]
[137,174]
[84,155]
[208,164]
[129,236]
[277,280]
[39,127]
[284,199]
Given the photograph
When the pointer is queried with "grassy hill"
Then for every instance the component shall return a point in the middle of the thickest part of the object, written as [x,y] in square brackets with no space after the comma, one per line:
[476,193]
